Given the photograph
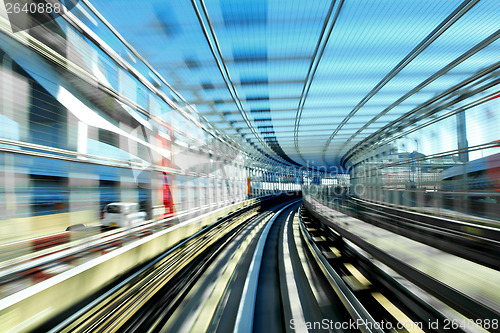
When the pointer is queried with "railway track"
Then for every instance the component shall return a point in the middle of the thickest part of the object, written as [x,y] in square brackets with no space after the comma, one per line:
[227,297]
[371,295]
[464,296]
[285,281]
[278,270]
[150,292]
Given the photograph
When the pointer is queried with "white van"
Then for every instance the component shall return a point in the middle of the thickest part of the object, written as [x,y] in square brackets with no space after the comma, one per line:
[122,214]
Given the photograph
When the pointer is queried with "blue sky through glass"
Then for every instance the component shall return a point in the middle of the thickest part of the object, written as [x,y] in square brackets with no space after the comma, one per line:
[323,68]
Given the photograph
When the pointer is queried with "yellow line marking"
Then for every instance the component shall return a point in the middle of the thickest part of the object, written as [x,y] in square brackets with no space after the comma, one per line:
[357,275]
[335,252]
[319,239]
[402,318]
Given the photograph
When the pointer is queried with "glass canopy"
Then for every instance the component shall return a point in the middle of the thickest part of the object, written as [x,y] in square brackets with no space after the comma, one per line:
[306,81]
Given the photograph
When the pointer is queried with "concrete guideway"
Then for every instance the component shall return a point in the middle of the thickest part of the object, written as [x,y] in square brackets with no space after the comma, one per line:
[34,305]
[477,283]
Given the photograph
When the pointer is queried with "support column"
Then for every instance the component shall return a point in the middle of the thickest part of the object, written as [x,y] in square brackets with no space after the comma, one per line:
[83,198]
[462,137]
[128,187]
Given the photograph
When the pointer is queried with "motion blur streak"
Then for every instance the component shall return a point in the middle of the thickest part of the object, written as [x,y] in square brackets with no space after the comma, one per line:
[127,127]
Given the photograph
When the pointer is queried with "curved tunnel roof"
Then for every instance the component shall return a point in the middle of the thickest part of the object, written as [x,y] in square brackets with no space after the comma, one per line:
[308,81]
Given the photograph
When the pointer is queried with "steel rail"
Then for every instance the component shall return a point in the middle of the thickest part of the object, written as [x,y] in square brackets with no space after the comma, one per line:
[461,302]
[489,233]
[110,310]
[246,308]
[161,318]
[113,316]
[376,280]
[350,301]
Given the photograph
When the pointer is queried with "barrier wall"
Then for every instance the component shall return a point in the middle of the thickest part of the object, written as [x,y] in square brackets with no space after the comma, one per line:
[20,228]
[32,306]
